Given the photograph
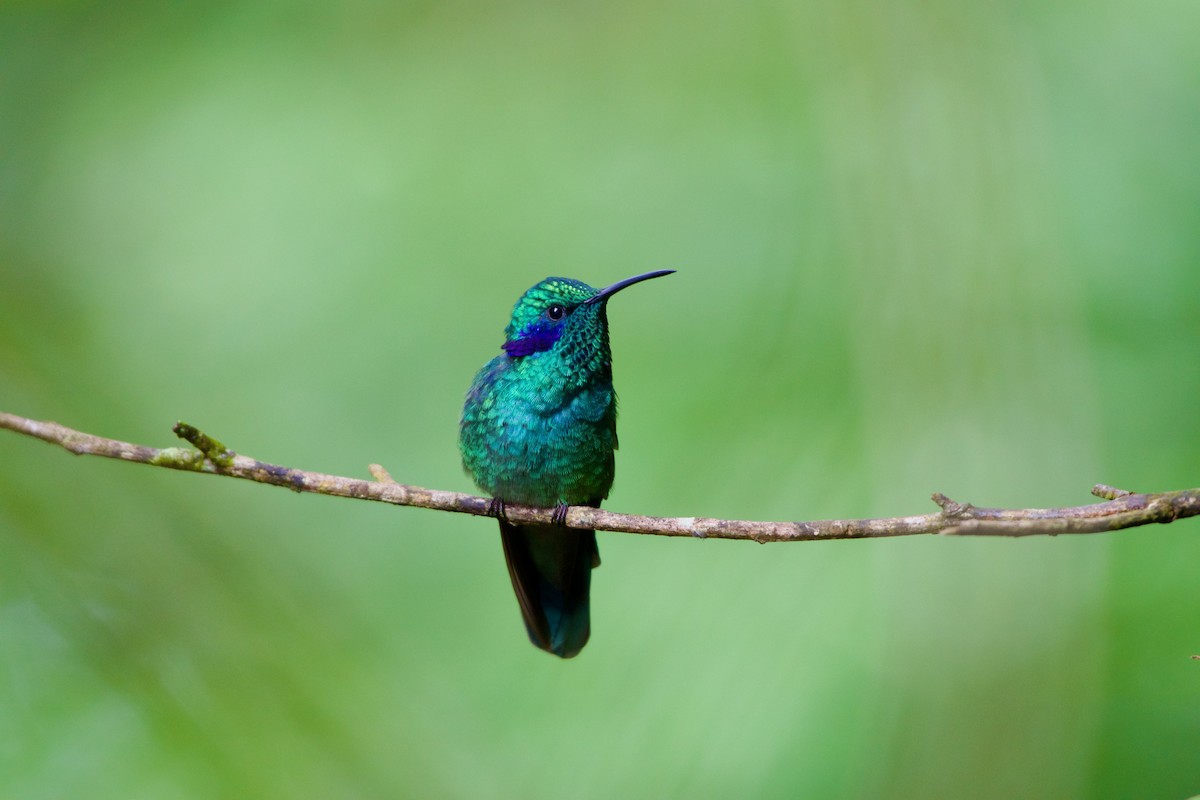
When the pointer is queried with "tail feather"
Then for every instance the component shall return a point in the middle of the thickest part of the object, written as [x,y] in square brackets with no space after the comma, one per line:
[551,570]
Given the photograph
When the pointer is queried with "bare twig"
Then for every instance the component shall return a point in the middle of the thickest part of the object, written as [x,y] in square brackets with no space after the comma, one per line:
[1122,509]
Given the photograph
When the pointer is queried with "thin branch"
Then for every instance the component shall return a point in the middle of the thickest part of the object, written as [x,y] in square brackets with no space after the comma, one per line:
[1122,509]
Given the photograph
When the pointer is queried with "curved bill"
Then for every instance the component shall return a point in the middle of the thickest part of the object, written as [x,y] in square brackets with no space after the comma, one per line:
[609,291]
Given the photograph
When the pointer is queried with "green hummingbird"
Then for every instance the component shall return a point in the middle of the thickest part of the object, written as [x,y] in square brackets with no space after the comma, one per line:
[539,428]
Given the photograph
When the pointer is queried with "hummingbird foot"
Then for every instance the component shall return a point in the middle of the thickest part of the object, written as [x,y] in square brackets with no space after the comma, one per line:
[496,509]
[559,517]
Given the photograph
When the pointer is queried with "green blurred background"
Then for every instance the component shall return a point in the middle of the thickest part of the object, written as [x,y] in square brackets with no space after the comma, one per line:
[934,246]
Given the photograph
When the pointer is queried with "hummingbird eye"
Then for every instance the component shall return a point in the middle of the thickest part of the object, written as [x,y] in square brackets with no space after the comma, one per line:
[555,311]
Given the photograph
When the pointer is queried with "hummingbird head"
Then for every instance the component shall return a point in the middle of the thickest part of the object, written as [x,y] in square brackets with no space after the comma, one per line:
[563,310]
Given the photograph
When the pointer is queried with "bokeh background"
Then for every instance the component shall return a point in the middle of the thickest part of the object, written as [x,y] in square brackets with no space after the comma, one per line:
[921,246]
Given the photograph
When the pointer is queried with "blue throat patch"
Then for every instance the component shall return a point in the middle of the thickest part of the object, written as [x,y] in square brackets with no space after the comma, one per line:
[534,339]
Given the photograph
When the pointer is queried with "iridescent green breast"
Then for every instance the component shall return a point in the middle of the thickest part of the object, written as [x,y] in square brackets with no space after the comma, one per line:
[526,442]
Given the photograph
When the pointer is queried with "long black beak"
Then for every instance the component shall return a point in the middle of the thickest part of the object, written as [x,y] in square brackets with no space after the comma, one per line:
[609,291]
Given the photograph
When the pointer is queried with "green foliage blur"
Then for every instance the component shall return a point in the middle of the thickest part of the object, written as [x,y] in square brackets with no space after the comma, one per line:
[921,246]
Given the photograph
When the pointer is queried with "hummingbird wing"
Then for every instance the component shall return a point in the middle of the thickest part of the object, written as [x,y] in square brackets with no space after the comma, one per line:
[551,568]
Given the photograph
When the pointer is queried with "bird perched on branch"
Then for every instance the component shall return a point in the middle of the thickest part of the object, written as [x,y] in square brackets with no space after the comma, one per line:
[539,428]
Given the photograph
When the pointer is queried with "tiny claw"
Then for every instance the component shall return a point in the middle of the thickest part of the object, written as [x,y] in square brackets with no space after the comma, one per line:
[496,509]
[559,517]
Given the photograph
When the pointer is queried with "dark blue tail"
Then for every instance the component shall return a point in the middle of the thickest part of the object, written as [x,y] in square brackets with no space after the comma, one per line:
[551,571]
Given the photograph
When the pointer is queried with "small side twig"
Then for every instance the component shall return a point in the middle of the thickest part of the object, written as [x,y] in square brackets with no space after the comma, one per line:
[1106,492]
[213,450]
[380,474]
[1121,509]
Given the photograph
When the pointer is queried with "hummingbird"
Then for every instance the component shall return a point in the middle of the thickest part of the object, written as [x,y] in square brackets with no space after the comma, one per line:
[539,427]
